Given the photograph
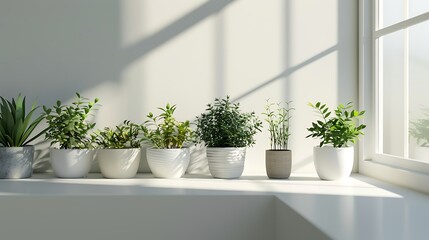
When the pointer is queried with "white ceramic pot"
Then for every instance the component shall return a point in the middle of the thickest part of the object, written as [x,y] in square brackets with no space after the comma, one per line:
[333,163]
[226,162]
[119,163]
[421,153]
[71,163]
[168,163]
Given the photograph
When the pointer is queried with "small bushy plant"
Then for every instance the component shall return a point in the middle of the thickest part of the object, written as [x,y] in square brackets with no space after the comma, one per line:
[122,136]
[68,125]
[224,125]
[338,130]
[277,116]
[164,131]
[419,129]
[16,125]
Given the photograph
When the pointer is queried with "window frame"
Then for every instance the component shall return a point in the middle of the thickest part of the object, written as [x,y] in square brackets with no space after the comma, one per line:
[406,172]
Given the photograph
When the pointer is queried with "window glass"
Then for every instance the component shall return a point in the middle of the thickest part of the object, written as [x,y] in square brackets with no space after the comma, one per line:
[417,7]
[392,78]
[419,91]
[391,11]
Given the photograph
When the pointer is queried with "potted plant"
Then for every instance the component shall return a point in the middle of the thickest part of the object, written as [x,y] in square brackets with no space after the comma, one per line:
[68,128]
[167,157]
[278,159]
[334,157]
[227,132]
[419,130]
[119,153]
[16,126]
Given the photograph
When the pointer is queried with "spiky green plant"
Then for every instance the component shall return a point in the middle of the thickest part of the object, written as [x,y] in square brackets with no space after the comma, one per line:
[15,125]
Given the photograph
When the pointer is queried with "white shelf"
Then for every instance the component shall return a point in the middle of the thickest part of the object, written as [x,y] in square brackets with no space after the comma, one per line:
[357,208]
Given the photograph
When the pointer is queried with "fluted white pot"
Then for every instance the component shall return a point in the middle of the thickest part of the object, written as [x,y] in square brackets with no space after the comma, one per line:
[168,163]
[71,163]
[119,163]
[333,163]
[226,162]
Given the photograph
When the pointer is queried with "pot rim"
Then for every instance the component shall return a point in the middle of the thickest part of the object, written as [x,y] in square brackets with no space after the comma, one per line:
[278,150]
[118,148]
[71,149]
[226,147]
[26,146]
[332,147]
[167,148]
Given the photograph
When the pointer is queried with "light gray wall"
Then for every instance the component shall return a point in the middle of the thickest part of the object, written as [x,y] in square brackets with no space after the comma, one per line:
[139,55]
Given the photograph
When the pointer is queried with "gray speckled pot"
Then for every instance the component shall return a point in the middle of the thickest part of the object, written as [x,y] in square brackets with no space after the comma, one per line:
[16,162]
[278,163]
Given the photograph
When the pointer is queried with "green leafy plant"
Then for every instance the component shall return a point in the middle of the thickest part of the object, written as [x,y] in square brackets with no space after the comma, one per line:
[338,130]
[15,125]
[277,116]
[164,131]
[122,136]
[224,125]
[68,125]
[419,129]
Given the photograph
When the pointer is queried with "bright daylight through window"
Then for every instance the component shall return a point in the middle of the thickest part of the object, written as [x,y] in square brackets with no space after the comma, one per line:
[401,40]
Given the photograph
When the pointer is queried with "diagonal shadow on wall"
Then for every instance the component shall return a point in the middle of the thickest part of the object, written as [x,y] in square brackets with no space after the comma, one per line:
[287,72]
[148,44]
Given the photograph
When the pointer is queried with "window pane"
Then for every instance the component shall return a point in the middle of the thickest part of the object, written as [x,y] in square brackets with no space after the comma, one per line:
[392,12]
[418,7]
[419,91]
[393,94]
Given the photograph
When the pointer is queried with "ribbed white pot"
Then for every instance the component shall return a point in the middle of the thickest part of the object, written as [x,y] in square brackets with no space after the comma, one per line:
[71,163]
[421,153]
[168,163]
[119,163]
[333,163]
[226,162]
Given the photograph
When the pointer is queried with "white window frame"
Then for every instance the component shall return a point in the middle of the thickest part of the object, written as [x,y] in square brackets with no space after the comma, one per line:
[410,173]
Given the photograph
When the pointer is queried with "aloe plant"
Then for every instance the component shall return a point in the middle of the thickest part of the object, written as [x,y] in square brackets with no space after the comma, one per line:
[15,125]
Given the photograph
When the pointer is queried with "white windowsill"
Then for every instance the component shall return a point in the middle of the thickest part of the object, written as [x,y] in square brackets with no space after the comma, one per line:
[357,208]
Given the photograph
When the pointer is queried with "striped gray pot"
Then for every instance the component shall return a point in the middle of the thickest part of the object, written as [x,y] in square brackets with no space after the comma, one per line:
[278,163]
[16,162]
